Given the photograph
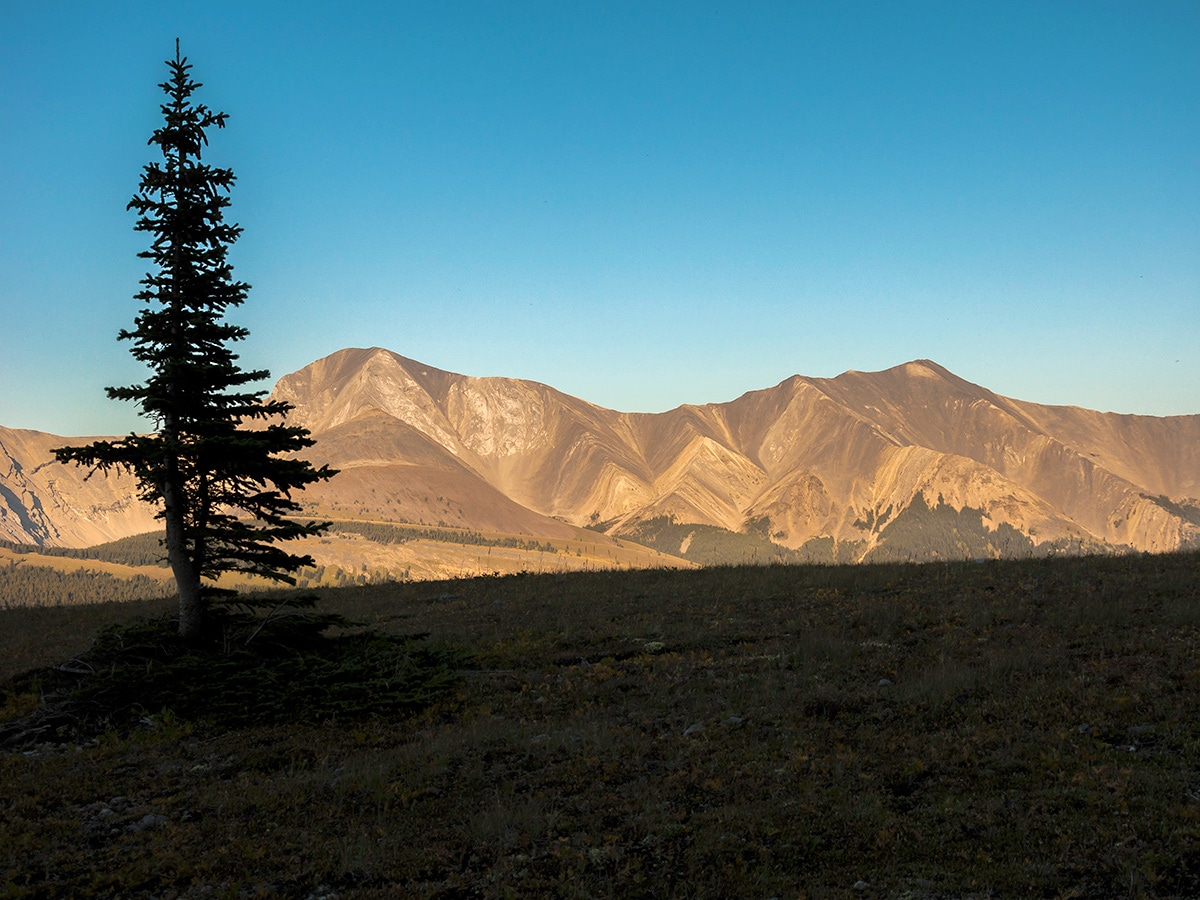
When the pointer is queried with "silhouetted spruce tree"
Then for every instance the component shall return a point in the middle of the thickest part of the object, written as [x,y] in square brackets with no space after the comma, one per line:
[214,464]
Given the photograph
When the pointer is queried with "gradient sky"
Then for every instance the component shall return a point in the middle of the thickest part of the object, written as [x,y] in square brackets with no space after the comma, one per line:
[642,204]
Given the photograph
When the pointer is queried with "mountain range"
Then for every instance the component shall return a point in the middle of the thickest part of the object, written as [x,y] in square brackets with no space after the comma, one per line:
[909,463]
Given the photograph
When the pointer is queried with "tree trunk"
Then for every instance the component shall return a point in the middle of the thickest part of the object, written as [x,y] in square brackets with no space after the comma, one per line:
[187,576]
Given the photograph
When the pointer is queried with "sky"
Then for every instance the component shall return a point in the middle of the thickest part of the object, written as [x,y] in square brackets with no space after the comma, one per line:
[642,204]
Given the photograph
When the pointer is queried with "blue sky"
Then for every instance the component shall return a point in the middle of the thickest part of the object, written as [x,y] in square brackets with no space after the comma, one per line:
[641,204]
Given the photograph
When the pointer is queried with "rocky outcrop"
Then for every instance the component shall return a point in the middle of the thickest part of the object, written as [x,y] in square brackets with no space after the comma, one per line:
[46,503]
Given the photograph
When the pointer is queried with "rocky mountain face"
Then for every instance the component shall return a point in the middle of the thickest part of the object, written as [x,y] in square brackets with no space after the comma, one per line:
[912,462]
[48,504]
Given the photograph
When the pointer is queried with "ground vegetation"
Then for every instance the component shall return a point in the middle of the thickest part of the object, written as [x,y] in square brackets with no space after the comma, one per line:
[992,729]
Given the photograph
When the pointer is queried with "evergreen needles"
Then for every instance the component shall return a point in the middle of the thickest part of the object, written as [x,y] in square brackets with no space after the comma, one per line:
[221,470]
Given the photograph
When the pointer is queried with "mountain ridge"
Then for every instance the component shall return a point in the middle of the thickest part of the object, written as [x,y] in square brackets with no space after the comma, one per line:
[807,463]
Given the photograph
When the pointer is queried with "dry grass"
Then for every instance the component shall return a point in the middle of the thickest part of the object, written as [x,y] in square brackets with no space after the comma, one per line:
[1005,729]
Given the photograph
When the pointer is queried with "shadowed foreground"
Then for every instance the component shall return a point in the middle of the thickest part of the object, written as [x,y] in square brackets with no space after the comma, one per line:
[999,729]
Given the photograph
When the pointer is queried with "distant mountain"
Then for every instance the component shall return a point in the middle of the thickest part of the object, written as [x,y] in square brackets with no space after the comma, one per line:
[48,504]
[909,463]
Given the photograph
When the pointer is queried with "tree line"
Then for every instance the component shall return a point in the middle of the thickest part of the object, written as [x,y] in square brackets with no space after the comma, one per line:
[136,550]
[381,533]
[28,585]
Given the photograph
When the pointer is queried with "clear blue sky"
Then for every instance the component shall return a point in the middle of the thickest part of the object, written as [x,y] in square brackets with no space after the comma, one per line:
[643,204]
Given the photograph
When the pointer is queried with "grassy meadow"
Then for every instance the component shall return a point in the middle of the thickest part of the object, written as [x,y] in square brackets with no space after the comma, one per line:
[1002,729]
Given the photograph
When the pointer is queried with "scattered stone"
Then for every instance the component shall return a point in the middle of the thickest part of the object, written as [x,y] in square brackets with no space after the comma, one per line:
[884,682]
[148,821]
[693,729]
[860,885]
[734,720]
[1084,728]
